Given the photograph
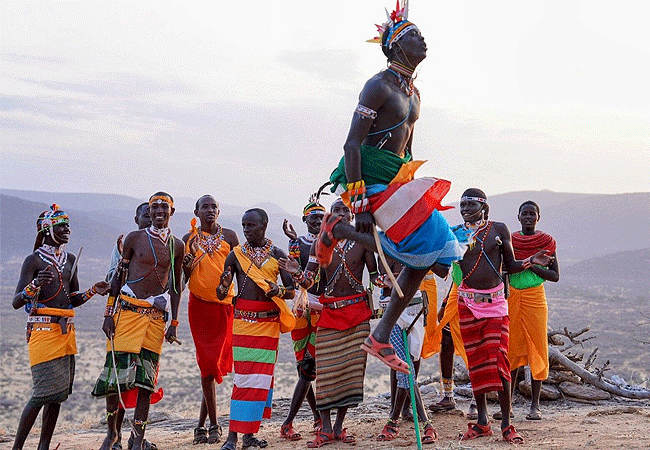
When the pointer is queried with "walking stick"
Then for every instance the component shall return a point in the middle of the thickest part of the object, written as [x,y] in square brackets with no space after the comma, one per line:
[387,268]
[412,388]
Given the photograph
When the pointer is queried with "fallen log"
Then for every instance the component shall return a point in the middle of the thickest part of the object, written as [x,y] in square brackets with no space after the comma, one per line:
[555,356]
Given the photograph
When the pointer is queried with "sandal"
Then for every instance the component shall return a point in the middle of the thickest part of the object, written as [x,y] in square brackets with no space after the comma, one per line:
[322,438]
[215,433]
[146,445]
[324,251]
[288,432]
[511,436]
[200,435]
[474,430]
[390,432]
[385,353]
[430,434]
[318,425]
[252,441]
[228,446]
[446,404]
[117,445]
[534,415]
[346,438]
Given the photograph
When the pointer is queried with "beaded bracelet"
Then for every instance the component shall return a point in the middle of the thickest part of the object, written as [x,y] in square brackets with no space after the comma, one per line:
[109,311]
[298,276]
[174,323]
[30,290]
[110,301]
[357,193]
[281,291]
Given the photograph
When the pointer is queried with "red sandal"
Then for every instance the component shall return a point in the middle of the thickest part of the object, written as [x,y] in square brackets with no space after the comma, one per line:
[288,432]
[430,434]
[474,430]
[511,436]
[346,438]
[386,353]
[318,425]
[324,251]
[390,432]
[322,438]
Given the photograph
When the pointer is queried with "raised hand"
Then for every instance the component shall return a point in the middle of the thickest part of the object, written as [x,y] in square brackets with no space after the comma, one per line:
[288,230]
[101,287]
[44,276]
[290,265]
[364,222]
[120,243]
[542,258]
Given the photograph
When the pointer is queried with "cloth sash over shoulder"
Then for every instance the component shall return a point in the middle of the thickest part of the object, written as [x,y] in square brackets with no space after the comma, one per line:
[269,271]
[406,209]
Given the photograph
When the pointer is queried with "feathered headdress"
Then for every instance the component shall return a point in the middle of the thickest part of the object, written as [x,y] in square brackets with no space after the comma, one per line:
[396,26]
[314,206]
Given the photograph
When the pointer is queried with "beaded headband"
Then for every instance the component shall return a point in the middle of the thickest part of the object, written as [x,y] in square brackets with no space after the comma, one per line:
[161,199]
[313,208]
[474,199]
[396,26]
[54,216]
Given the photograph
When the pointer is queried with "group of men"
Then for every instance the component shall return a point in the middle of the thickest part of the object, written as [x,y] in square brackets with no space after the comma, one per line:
[238,329]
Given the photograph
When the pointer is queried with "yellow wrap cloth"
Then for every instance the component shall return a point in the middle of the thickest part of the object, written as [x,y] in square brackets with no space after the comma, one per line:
[135,331]
[434,332]
[528,313]
[207,270]
[47,342]
[429,286]
[269,271]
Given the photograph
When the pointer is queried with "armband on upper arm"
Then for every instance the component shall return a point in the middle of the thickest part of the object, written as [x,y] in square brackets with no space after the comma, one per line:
[365,112]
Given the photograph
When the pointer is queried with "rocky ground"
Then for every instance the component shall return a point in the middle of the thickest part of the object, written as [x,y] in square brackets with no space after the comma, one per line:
[566,425]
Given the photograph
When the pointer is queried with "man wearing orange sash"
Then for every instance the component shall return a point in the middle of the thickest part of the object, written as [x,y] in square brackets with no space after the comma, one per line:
[49,290]
[527,305]
[261,313]
[144,294]
[206,249]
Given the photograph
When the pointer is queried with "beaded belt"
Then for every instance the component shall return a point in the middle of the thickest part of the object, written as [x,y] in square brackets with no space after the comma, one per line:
[153,313]
[479,297]
[254,316]
[347,302]
[62,321]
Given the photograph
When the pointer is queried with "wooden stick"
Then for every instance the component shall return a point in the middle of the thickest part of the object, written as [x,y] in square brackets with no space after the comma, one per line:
[388,270]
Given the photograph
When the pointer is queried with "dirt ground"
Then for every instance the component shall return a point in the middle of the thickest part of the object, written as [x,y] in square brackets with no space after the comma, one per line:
[566,425]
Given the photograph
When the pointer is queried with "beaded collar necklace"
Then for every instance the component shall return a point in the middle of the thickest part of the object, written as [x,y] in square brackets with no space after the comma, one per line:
[53,255]
[404,75]
[309,238]
[258,255]
[160,233]
[210,243]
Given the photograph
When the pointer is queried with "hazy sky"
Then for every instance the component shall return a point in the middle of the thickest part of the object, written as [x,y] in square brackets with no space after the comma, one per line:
[251,100]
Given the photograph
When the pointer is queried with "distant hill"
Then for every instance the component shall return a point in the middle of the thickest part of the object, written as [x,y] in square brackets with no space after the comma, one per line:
[584,225]
[623,269]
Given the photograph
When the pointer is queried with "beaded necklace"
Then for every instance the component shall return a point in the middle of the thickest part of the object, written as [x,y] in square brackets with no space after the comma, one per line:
[404,75]
[482,241]
[160,233]
[257,254]
[57,258]
[210,243]
[341,249]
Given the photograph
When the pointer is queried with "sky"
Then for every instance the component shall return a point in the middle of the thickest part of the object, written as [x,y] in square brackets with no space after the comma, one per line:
[251,100]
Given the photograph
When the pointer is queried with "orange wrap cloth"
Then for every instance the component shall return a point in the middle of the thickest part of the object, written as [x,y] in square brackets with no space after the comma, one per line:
[434,332]
[135,331]
[528,313]
[429,286]
[269,271]
[207,270]
[47,342]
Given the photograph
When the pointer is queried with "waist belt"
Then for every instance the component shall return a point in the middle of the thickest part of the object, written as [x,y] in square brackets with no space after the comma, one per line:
[479,297]
[254,316]
[347,302]
[153,313]
[62,321]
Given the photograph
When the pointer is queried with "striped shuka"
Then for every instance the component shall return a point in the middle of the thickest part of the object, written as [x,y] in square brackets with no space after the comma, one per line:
[486,346]
[340,366]
[255,350]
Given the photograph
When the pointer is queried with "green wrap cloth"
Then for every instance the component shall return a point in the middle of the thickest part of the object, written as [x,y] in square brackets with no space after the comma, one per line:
[378,166]
[526,279]
[456,273]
